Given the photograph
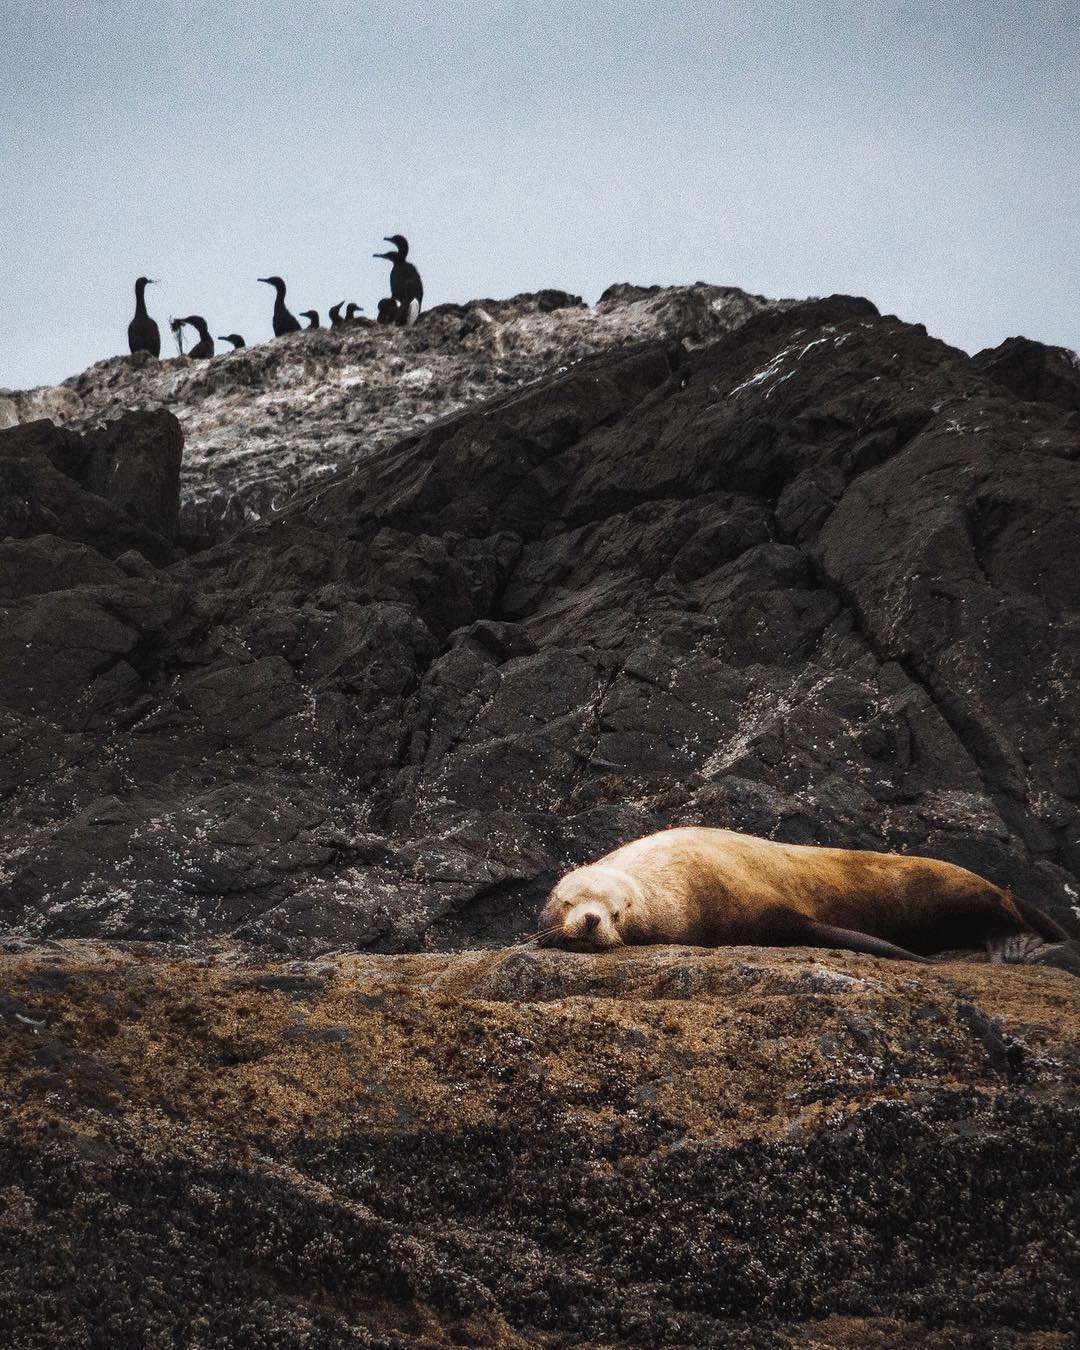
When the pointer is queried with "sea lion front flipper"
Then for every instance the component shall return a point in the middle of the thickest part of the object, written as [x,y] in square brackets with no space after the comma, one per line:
[825,935]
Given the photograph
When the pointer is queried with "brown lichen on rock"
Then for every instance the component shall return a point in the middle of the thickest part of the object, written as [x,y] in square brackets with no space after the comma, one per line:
[535,1148]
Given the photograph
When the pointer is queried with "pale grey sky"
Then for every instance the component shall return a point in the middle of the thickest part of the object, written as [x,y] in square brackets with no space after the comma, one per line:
[925,154]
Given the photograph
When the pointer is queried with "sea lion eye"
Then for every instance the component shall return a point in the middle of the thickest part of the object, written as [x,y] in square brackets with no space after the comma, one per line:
[615,915]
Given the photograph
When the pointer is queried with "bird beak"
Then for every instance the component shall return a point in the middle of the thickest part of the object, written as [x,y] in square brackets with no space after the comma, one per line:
[266,279]
[389,238]
[383,255]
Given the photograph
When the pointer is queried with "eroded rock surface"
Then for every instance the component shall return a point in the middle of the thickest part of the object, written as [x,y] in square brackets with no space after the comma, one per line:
[815,580]
[260,422]
[527,1148]
[1034,371]
[114,489]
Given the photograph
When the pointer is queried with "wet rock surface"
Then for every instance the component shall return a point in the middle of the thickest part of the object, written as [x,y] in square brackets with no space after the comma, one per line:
[815,580]
[526,1148]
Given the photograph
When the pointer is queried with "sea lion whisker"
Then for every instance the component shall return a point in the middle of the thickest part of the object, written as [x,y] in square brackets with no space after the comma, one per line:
[545,932]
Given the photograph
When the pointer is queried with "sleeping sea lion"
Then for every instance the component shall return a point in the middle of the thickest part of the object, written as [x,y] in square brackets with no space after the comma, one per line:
[713,888]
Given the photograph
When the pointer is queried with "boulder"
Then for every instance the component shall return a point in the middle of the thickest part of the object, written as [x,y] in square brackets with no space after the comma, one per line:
[1033,371]
[113,489]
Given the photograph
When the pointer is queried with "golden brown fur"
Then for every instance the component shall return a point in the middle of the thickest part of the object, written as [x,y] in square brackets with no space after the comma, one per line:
[711,887]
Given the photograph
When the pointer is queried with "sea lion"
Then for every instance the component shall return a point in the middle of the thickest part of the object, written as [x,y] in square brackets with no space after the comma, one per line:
[714,888]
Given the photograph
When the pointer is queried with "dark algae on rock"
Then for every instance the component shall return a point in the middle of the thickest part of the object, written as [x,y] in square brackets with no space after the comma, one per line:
[537,580]
[536,1149]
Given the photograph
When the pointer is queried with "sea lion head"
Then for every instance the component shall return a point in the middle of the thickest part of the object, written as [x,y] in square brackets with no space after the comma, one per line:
[588,910]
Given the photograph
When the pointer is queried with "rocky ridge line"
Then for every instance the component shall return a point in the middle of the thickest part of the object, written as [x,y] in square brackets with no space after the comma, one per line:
[261,422]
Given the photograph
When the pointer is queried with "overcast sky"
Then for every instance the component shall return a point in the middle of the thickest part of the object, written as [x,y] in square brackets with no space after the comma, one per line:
[924,153]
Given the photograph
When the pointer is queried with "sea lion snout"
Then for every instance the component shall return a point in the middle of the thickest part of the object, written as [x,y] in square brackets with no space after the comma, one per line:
[578,918]
[589,927]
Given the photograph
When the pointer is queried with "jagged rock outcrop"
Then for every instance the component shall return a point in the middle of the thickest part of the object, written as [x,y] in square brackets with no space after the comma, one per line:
[1034,371]
[814,580]
[524,1149]
[261,422]
[114,489]
[811,578]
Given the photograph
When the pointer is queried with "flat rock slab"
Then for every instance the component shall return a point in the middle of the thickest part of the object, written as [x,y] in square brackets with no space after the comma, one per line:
[517,1147]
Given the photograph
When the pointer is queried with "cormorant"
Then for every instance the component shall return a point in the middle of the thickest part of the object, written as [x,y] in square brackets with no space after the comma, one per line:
[336,321]
[143,335]
[405,284]
[284,322]
[312,315]
[387,310]
[352,314]
[205,345]
[235,338]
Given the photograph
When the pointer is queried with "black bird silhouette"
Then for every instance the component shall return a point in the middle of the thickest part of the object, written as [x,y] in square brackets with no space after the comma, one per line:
[336,321]
[352,315]
[405,284]
[284,322]
[143,334]
[312,316]
[205,345]
[235,338]
[387,310]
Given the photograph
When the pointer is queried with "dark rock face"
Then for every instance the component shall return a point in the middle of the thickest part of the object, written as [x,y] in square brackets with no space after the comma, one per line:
[1032,371]
[133,462]
[814,580]
[114,489]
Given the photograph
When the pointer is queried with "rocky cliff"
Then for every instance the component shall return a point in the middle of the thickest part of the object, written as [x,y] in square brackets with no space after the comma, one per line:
[795,569]
[815,579]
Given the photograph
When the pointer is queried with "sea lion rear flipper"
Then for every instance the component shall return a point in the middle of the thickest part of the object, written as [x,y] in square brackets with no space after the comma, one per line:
[825,935]
[1047,928]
